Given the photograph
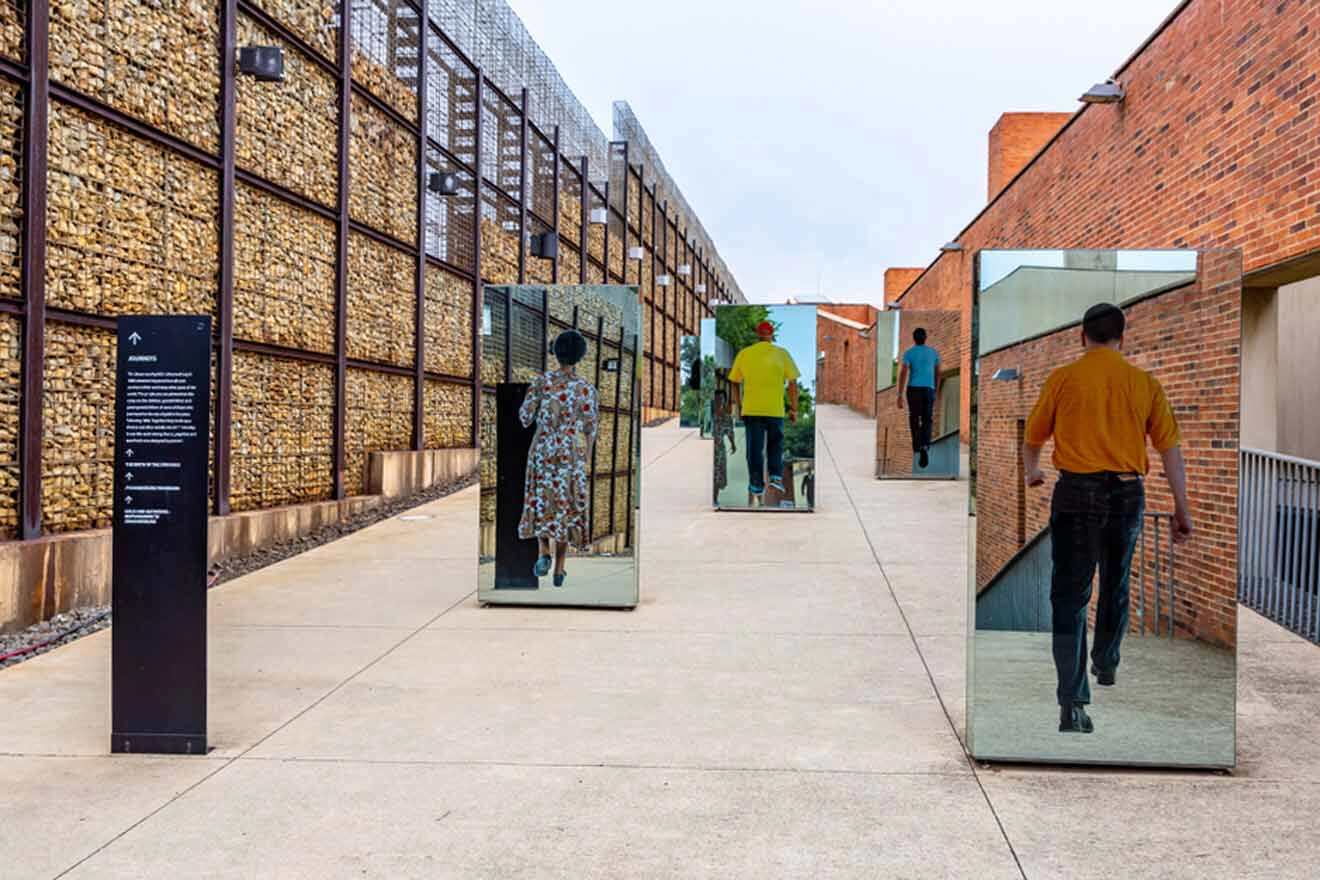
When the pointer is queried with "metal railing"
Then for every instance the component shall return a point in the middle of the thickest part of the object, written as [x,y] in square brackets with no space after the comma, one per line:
[1279,539]
[1156,568]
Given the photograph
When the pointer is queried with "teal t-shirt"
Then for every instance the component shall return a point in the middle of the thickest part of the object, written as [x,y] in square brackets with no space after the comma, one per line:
[921,361]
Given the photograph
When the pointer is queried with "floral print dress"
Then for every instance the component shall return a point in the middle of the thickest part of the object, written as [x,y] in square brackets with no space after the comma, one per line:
[556,501]
[721,427]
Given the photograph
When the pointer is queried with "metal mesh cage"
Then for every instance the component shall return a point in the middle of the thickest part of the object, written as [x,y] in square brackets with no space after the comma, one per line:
[501,142]
[450,100]
[449,219]
[541,184]
[386,51]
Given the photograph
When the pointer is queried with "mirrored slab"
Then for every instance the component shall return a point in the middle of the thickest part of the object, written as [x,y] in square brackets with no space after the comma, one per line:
[763,408]
[560,446]
[689,402]
[918,404]
[1103,614]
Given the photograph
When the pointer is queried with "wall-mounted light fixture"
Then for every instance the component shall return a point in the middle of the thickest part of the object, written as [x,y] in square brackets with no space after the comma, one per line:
[610,365]
[1006,374]
[663,280]
[510,225]
[634,253]
[1107,92]
[685,269]
[599,216]
[950,247]
[263,63]
[545,246]
[701,288]
[443,183]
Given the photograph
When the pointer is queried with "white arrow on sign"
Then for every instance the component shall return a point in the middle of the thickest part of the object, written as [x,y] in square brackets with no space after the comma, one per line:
[128,476]
[128,499]
[134,338]
[129,453]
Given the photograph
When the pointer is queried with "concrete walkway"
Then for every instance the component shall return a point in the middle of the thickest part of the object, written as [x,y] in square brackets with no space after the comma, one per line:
[787,701]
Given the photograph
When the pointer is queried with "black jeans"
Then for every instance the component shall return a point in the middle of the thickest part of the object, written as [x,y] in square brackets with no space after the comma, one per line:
[765,437]
[921,415]
[1094,521]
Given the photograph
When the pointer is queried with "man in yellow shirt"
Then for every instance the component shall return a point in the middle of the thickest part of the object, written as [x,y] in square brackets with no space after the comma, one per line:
[758,375]
[1099,409]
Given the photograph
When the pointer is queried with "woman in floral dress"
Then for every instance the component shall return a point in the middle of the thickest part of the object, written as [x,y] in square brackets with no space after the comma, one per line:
[721,427]
[565,409]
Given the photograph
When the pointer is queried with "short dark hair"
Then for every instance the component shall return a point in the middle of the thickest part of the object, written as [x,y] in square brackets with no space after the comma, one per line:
[1103,323]
[919,336]
[570,347]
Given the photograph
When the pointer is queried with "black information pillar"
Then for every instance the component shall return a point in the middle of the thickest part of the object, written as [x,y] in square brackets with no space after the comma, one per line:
[158,642]
[514,556]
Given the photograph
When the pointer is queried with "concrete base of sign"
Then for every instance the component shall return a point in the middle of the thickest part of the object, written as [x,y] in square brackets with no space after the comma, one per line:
[57,573]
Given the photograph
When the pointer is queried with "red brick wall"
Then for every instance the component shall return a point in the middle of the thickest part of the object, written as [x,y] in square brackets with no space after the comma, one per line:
[897,281]
[847,375]
[893,437]
[1215,146]
[1014,140]
[1189,339]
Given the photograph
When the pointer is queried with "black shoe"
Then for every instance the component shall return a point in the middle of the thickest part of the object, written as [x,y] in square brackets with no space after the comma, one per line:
[1073,719]
[923,459]
[1105,677]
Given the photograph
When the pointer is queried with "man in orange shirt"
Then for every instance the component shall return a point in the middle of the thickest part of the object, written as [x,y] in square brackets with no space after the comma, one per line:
[1099,409]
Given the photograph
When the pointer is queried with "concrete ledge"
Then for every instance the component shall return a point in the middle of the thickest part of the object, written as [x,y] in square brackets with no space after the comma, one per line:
[397,474]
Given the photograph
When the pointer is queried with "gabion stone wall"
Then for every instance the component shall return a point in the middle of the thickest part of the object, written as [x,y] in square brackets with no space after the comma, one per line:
[284,273]
[448,415]
[77,456]
[448,324]
[10,375]
[289,134]
[133,228]
[11,196]
[382,324]
[383,188]
[283,431]
[379,418]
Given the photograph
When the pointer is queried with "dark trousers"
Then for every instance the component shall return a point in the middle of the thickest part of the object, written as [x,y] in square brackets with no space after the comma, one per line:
[765,437]
[921,415]
[1094,521]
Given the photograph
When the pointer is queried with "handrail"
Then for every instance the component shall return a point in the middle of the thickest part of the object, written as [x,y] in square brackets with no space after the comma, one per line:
[1279,539]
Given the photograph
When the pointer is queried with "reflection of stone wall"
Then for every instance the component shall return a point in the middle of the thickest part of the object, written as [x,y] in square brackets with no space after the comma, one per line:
[570,265]
[284,273]
[288,132]
[378,418]
[132,226]
[570,215]
[382,319]
[382,181]
[153,61]
[540,271]
[596,242]
[447,415]
[11,348]
[448,323]
[77,455]
[11,196]
[12,16]
[283,430]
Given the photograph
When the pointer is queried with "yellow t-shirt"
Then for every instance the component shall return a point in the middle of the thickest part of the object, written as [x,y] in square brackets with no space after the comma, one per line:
[763,369]
[1100,409]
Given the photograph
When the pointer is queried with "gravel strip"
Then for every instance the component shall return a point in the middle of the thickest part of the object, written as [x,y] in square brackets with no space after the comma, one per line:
[64,628]
[655,423]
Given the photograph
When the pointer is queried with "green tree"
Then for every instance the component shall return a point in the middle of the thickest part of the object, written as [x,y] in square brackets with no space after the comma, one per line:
[737,326]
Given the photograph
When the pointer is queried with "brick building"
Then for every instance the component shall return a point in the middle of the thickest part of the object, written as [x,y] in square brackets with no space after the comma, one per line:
[1214,145]
[845,346]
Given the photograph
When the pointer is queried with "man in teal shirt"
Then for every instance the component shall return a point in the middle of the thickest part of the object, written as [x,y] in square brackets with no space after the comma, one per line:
[920,375]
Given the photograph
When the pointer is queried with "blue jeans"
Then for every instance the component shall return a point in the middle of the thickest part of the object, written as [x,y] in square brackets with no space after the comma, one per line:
[765,436]
[1094,521]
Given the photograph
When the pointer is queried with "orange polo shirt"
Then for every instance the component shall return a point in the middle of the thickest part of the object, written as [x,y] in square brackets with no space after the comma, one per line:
[1100,409]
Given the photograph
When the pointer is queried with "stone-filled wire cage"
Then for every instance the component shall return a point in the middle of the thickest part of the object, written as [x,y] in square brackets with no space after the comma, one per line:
[313,218]
[523,322]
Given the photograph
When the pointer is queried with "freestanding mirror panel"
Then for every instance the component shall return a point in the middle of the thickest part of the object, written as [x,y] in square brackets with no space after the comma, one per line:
[763,408]
[1103,596]
[689,403]
[560,446]
[716,358]
[918,401]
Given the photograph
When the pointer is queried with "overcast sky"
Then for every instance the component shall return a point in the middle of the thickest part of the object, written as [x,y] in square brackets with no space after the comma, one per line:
[822,143]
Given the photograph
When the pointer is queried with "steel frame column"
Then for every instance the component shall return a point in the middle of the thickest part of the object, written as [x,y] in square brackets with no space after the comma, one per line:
[478,290]
[224,362]
[522,194]
[618,387]
[419,338]
[341,251]
[554,264]
[584,223]
[600,349]
[634,435]
[35,141]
